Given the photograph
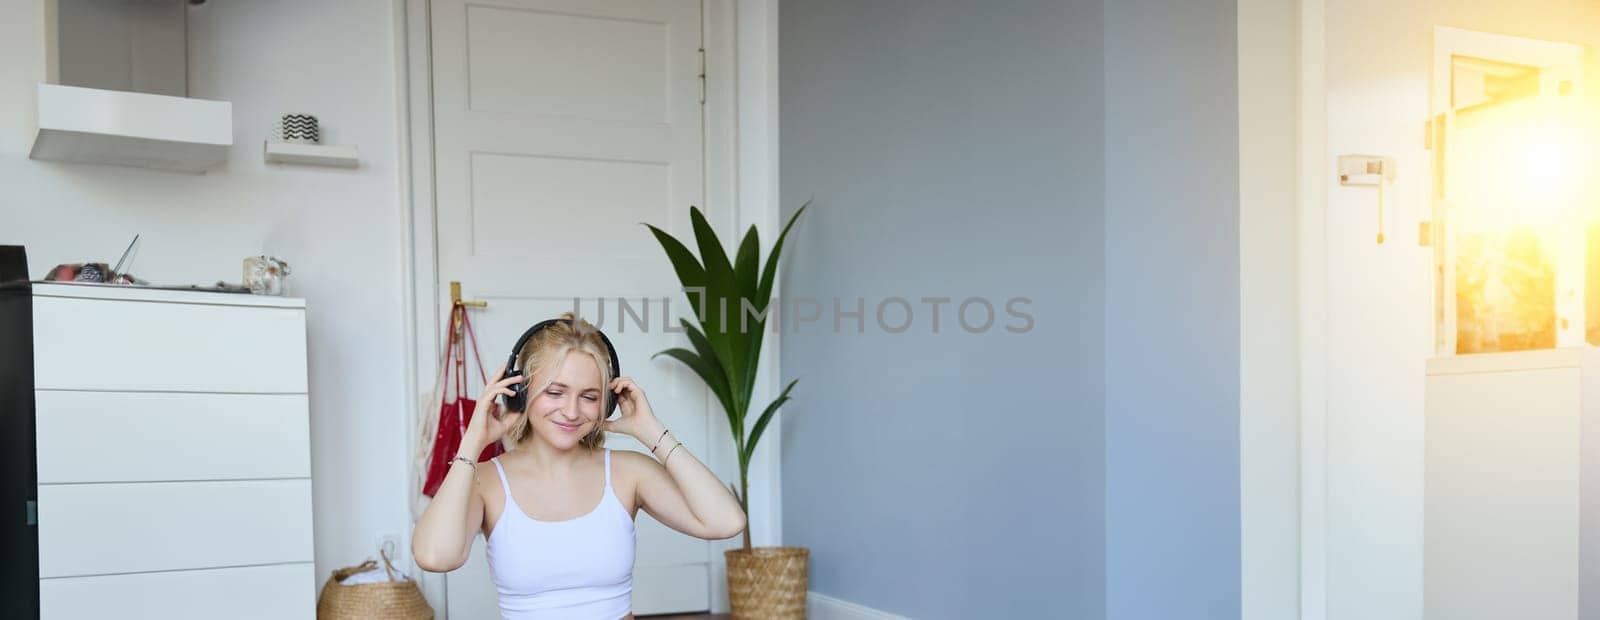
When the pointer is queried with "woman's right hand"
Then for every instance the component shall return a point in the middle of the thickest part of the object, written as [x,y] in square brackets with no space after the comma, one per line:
[487,425]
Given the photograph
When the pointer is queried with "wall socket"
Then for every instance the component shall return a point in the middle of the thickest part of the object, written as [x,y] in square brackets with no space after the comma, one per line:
[390,542]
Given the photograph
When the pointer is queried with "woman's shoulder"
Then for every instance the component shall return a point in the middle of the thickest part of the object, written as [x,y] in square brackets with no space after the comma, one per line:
[629,465]
[486,479]
[630,459]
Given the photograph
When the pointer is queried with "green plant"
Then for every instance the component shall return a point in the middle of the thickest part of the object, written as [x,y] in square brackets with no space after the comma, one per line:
[732,316]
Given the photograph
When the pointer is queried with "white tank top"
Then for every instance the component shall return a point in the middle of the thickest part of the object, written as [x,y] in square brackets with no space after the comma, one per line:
[578,569]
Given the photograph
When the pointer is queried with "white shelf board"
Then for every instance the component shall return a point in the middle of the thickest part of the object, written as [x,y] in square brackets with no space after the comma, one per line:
[94,126]
[313,154]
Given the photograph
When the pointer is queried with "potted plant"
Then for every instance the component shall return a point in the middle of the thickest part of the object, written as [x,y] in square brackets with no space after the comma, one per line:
[763,582]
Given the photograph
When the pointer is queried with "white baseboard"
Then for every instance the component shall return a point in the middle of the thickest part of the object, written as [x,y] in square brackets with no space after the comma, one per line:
[824,607]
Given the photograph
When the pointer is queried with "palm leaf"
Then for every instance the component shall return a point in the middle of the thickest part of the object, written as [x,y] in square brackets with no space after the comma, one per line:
[729,400]
[768,274]
[752,356]
[708,371]
[764,293]
[745,269]
[721,299]
[689,270]
[761,424]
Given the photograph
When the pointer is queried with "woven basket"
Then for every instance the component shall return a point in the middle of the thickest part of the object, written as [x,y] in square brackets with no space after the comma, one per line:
[767,582]
[399,600]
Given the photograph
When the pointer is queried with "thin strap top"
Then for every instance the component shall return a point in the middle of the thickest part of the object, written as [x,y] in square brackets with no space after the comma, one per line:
[578,568]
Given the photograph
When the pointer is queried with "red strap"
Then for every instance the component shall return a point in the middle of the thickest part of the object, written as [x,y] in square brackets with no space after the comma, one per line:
[445,360]
[461,353]
[476,354]
[449,347]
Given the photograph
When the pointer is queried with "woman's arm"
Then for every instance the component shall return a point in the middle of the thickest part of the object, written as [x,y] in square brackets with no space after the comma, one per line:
[680,491]
[442,538]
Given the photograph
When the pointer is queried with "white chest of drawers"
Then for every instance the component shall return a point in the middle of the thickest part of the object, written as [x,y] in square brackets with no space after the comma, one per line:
[173,453]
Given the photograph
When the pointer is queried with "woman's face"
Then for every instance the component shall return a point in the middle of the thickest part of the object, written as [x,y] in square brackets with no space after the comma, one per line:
[569,408]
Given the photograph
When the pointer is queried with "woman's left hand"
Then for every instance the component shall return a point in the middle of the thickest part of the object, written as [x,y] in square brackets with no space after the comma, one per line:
[637,417]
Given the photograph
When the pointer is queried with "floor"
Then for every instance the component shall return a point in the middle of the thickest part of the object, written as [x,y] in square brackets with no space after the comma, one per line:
[689,617]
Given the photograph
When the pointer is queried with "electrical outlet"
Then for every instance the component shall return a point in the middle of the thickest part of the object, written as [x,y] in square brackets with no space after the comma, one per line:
[389,542]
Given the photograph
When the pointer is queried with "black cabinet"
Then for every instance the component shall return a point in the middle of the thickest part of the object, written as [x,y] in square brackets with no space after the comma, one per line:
[19,530]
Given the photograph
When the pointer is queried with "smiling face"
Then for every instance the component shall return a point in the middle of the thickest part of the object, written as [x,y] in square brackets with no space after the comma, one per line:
[569,365]
[569,406]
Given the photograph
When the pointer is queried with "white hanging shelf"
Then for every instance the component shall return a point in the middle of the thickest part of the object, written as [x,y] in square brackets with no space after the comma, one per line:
[312,154]
[95,126]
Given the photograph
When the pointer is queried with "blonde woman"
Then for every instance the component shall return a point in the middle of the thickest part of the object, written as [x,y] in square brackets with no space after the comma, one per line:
[557,509]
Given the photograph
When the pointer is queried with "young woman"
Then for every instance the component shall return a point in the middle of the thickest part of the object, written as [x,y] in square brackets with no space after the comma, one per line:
[557,509]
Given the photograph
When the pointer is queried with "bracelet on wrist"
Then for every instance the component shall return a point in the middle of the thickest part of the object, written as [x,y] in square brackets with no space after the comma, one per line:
[675,447]
[658,441]
[461,459]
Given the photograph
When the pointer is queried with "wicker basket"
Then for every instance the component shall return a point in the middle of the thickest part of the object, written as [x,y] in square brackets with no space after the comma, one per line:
[399,600]
[767,582]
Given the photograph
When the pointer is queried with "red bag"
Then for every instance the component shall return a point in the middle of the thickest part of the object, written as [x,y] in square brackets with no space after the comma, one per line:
[455,412]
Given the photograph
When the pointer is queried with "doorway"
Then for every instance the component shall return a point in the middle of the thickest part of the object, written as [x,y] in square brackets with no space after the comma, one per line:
[634,135]
[1424,259]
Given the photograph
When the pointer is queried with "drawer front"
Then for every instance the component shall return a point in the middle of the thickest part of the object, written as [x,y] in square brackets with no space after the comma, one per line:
[98,344]
[168,436]
[103,529]
[279,592]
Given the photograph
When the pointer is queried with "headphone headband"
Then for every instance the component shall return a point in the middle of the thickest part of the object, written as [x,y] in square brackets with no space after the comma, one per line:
[519,401]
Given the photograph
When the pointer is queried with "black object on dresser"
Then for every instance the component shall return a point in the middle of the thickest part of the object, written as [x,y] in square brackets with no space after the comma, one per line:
[19,530]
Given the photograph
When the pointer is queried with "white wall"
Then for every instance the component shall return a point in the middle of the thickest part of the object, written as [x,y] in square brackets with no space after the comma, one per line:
[1269,458]
[338,229]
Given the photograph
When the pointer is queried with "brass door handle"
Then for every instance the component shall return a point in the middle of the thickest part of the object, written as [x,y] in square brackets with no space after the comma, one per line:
[455,298]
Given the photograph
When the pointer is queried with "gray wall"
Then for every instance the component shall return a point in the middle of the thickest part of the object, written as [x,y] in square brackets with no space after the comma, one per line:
[953,149]
[1077,154]
[1172,310]
[137,45]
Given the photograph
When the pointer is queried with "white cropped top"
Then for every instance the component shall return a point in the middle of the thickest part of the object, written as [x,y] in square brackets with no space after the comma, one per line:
[577,569]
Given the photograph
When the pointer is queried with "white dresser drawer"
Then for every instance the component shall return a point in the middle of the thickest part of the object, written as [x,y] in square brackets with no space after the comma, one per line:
[279,592]
[170,436]
[103,344]
[100,529]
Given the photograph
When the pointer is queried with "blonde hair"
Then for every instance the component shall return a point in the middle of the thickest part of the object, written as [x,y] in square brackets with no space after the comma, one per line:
[550,347]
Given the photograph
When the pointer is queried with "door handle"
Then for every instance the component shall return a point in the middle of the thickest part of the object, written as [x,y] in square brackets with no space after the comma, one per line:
[455,298]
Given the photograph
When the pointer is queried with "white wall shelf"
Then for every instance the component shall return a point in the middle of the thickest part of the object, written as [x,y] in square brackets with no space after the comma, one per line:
[94,126]
[312,154]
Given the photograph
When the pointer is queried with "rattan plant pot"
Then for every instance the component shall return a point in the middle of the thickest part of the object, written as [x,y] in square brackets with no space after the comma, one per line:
[397,600]
[767,583]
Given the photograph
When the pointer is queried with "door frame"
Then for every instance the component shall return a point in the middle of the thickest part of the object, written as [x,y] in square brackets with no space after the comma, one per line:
[741,130]
[1312,296]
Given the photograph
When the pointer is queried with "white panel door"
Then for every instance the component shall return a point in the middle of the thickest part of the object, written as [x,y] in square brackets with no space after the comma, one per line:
[1502,511]
[560,126]
[1380,324]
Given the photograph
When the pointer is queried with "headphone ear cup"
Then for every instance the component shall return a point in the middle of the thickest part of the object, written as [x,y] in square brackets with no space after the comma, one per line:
[515,403]
[519,394]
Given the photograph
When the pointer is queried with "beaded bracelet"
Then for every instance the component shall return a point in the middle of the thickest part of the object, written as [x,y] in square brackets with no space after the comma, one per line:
[658,441]
[466,460]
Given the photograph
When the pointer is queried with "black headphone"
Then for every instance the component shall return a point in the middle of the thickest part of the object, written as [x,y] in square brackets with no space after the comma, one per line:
[519,398]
